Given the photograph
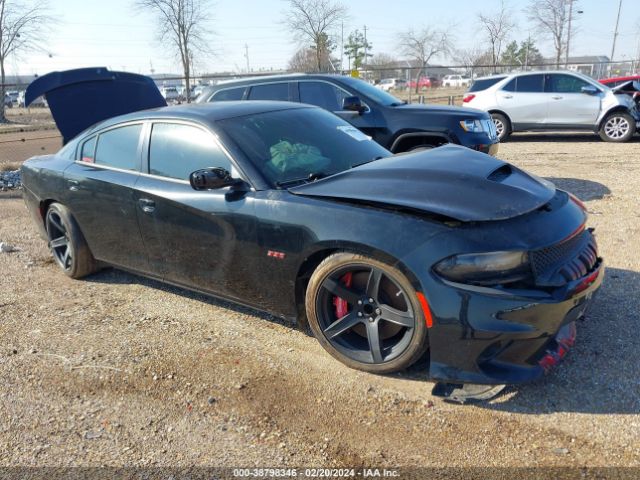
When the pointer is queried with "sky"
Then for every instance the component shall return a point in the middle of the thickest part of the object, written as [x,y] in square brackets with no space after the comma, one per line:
[115,34]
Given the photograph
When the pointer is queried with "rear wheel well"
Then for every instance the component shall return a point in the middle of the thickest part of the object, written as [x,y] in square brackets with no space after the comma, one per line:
[407,141]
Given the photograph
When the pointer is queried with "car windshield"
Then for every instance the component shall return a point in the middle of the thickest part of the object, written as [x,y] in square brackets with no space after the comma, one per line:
[294,146]
[375,94]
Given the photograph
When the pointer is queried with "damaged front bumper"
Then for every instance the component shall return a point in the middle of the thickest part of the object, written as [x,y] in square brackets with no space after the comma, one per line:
[519,341]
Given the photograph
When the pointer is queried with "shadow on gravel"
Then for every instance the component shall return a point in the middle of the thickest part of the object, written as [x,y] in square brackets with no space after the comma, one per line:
[601,374]
[559,137]
[585,190]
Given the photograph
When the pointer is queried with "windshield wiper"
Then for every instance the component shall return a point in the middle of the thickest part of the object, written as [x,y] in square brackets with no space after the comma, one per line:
[312,177]
[365,162]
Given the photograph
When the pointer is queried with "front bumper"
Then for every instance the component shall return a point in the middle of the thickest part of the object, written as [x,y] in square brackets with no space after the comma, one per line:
[508,339]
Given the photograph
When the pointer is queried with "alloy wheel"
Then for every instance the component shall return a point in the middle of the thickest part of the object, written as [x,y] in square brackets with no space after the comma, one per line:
[365,314]
[616,127]
[59,242]
[499,126]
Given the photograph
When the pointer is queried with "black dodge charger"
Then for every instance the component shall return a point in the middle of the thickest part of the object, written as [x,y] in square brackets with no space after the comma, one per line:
[289,209]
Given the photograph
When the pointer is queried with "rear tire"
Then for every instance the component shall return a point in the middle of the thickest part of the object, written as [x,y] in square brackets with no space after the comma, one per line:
[374,323]
[67,244]
[503,125]
[618,127]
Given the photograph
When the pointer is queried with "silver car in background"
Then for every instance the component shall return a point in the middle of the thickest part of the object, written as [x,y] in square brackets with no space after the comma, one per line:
[553,101]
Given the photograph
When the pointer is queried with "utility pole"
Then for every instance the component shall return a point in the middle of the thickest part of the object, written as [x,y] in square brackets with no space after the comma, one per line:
[341,46]
[566,53]
[364,63]
[615,33]
[526,53]
[246,55]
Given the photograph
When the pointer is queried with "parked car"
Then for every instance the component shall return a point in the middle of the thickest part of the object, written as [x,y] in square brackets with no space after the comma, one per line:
[289,209]
[387,84]
[554,101]
[170,94]
[8,101]
[456,81]
[391,122]
[424,82]
[616,81]
[13,95]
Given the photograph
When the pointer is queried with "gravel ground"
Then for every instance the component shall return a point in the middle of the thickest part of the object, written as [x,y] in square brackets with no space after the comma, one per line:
[118,370]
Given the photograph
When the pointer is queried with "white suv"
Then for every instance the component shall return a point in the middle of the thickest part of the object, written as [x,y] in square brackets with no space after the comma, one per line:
[456,81]
[387,84]
[554,100]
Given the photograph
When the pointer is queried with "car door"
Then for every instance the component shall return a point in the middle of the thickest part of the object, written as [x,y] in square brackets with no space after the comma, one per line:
[201,239]
[100,194]
[523,99]
[330,97]
[568,105]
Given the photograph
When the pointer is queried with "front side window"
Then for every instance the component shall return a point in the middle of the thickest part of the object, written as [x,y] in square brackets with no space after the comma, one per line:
[228,94]
[323,95]
[177,150]
[118,147]
[530,84]
[289,146]
[271,91]
[558,83]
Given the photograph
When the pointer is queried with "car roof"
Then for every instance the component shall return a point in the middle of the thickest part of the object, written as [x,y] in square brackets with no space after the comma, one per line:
[619,79]
[204,112]
[275,78]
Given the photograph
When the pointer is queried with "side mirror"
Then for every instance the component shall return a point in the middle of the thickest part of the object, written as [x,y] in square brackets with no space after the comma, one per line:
[589,90]
[353,104]
[211,179]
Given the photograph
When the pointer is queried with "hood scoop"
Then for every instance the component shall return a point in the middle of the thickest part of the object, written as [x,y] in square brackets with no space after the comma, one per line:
[451,181]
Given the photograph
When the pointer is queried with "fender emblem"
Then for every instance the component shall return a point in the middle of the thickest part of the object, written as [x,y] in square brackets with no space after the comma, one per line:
[274,254]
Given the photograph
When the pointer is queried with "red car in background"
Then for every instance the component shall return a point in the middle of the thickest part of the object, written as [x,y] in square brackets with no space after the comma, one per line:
[424,82]
[614,82]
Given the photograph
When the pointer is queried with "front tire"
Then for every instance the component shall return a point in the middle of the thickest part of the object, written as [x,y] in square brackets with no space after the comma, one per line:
[67,244]
[617,127]
[503,125]
[365,313]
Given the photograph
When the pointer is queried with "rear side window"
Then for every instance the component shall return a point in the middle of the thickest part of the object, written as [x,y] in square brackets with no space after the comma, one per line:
[530,84]
[272,91]
[229,94]
[88,150]
[485,83]
[177,150]
[118,148]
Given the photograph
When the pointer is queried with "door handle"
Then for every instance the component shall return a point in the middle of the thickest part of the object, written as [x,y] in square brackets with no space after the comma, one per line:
[507,96]
[73,185]
[147,206]
[557,97]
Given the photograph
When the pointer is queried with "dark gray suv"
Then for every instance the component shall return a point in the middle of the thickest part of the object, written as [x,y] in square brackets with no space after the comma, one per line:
[391,122]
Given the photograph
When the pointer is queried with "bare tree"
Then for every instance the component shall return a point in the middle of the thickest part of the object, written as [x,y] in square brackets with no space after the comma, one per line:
[315,21]
[383,65]
[552,18]
[21,28]
[475,60]
[422,45]
[183,24]
[304,60]
[496,26]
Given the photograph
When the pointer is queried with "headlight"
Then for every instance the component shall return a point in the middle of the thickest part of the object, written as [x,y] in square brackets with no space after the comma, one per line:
[485,268]
[474,126]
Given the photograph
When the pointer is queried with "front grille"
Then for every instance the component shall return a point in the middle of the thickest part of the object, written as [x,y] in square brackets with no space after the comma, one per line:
[565,261]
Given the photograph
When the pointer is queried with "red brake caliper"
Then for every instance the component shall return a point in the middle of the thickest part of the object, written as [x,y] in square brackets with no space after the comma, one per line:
[341,306]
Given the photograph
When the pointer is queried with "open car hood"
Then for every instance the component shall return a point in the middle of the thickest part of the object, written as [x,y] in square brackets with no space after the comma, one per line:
[452,181]
[627,87]
[80,98]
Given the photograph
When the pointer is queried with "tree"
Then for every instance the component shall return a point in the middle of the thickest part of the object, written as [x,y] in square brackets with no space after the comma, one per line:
[357,48]
[304,60]
[383,66]
[422,46]
[476,60]
[510,55]
[21,28]
[183,24]
[496,27]
[552,18]
[521,55]
[314,21]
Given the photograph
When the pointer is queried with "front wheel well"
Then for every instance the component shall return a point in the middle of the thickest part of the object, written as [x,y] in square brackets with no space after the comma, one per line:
[619,108]
[407,141]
